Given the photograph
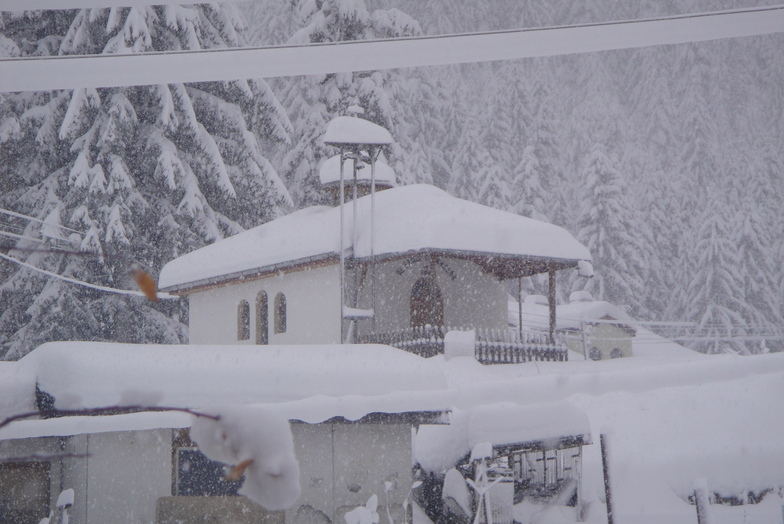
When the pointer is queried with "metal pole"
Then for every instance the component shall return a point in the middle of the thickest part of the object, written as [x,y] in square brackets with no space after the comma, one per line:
[342,250]
[354,232]
[579,474]
[373,158]
[606,469]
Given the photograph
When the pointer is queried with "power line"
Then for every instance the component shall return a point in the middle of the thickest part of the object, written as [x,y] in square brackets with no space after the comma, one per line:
[86,284]
[113,70]
[33,219]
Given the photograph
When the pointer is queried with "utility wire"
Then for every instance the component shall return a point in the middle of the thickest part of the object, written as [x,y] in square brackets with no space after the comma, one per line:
[211,65]
[33,219]
[87,284]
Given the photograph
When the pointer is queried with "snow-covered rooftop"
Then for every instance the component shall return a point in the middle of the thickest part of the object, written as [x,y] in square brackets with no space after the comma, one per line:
[16,387]
[409,219]
[349,130]
[671,416]
[536,313]
[92,374]
[329,172]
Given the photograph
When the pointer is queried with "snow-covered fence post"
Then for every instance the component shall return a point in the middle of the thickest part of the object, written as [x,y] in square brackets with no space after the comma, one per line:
[606,469]
[702,501]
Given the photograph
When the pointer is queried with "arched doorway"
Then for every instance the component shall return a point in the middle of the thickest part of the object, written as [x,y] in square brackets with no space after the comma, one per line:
[427,303]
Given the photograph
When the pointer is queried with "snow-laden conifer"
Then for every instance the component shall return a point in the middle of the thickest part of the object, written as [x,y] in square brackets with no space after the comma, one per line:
[313,101]
[144,173]
[606,227]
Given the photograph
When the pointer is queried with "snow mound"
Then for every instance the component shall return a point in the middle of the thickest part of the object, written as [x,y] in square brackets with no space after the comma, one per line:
[262,444]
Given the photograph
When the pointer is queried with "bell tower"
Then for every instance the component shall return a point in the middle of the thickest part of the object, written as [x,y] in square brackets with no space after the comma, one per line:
[360,143]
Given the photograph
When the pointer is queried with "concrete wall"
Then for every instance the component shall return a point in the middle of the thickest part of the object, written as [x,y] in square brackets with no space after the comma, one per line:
[312,304]
[24,492]
[472,299]
[114,475]
[343,465]
[128,475]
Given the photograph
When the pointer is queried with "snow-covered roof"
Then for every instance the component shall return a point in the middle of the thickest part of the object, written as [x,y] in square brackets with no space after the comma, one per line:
[536,313]
[409,219]
[93,374]
[329,172]
[504,425]
[16,388]
[349,130]
[670,416]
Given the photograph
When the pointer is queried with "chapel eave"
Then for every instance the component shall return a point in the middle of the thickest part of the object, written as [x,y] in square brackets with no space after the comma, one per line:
[502,266]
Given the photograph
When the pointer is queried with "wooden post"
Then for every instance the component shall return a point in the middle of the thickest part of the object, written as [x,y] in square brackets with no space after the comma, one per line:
[579,490]
[606,469]
[551,304]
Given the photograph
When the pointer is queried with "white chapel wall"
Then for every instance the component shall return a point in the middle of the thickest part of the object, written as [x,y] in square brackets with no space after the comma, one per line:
[312,308]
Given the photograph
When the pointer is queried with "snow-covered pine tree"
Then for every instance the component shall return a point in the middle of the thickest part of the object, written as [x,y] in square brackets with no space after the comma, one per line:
[313,101]
[472,162]
[607,227]
[270,22]
[509,118]
[715,292]
[145,173]
[755,233]
[538,178]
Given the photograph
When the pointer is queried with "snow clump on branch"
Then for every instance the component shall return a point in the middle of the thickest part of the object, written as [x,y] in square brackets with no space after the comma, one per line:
[258,444]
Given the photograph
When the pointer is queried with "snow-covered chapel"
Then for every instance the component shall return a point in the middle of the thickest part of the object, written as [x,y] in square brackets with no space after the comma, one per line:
[411,263]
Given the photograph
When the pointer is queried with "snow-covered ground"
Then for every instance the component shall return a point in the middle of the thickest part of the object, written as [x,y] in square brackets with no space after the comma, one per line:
[670,415]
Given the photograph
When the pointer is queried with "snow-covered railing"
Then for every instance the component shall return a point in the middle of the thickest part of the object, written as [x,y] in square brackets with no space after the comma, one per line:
[424,341]
[502,346]
[493,346]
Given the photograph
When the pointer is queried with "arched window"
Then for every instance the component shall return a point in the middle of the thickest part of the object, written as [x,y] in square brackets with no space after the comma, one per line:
[262,315]
[280,313]
[427,303]
[595,353]
[243,320]
[616,353]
